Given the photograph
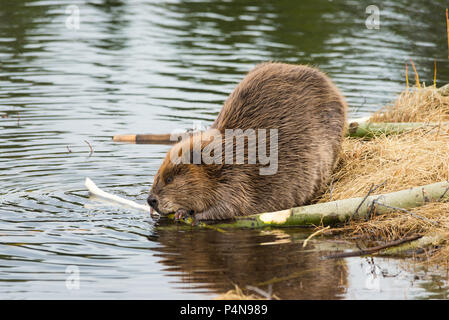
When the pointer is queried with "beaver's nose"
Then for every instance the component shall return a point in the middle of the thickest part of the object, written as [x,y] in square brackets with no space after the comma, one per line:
[152,201]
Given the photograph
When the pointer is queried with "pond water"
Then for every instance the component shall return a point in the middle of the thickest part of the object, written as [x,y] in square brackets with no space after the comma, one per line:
[155,66]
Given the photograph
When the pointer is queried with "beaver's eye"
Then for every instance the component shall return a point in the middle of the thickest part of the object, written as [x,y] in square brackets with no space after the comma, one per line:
[169,180]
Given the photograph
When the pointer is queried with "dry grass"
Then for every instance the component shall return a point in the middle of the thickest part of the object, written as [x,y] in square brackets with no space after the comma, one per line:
[420,105]
[401,161]
[238,294]
[398,162]
[399,225]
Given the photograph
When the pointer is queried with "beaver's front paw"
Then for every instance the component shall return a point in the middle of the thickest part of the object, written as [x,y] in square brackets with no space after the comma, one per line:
[182,213]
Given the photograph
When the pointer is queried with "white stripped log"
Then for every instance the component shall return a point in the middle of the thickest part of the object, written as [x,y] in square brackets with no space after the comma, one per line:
[97,192]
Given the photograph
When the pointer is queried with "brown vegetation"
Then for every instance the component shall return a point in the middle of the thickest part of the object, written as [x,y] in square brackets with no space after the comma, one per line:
[397,162]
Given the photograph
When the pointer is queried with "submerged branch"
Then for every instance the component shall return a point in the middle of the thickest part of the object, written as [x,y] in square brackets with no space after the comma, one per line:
[367,251]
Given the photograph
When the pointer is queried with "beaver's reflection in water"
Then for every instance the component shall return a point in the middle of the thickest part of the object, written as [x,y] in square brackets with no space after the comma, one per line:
[209,260]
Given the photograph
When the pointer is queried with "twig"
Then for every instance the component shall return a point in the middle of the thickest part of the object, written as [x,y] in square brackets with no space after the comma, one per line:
[435,73]
[312,235]
[447,26]
[90,146]
[442,196]
[331,189]
[406,74]
[406,211]
[364,199]
[356,110]
[371,250]
[371,211]
[416,74]
[267,295]
[371,190]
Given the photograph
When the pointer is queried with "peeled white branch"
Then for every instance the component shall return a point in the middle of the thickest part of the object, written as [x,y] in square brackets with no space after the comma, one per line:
[97,192]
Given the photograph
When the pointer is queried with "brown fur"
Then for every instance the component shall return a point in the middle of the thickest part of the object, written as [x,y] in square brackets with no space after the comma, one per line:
[309,113]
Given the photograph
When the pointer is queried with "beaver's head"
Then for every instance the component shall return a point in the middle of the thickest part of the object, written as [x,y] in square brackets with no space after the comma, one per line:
[182,184]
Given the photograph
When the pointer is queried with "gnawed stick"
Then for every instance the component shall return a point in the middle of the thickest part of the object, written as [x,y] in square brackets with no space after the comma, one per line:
[97,192]
[339,211]
[360,129]
[144,138]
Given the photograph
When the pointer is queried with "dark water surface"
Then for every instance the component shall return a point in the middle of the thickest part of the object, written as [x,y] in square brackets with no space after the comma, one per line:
[155,66]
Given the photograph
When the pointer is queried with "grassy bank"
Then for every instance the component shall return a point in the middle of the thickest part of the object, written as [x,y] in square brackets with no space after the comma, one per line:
[397,162]
[387,164]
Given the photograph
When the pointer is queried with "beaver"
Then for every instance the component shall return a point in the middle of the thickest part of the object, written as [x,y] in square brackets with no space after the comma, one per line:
[304,113]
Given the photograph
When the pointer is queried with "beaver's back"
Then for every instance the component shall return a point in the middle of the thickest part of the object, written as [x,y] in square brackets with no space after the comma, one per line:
[273,94]
[309,113]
